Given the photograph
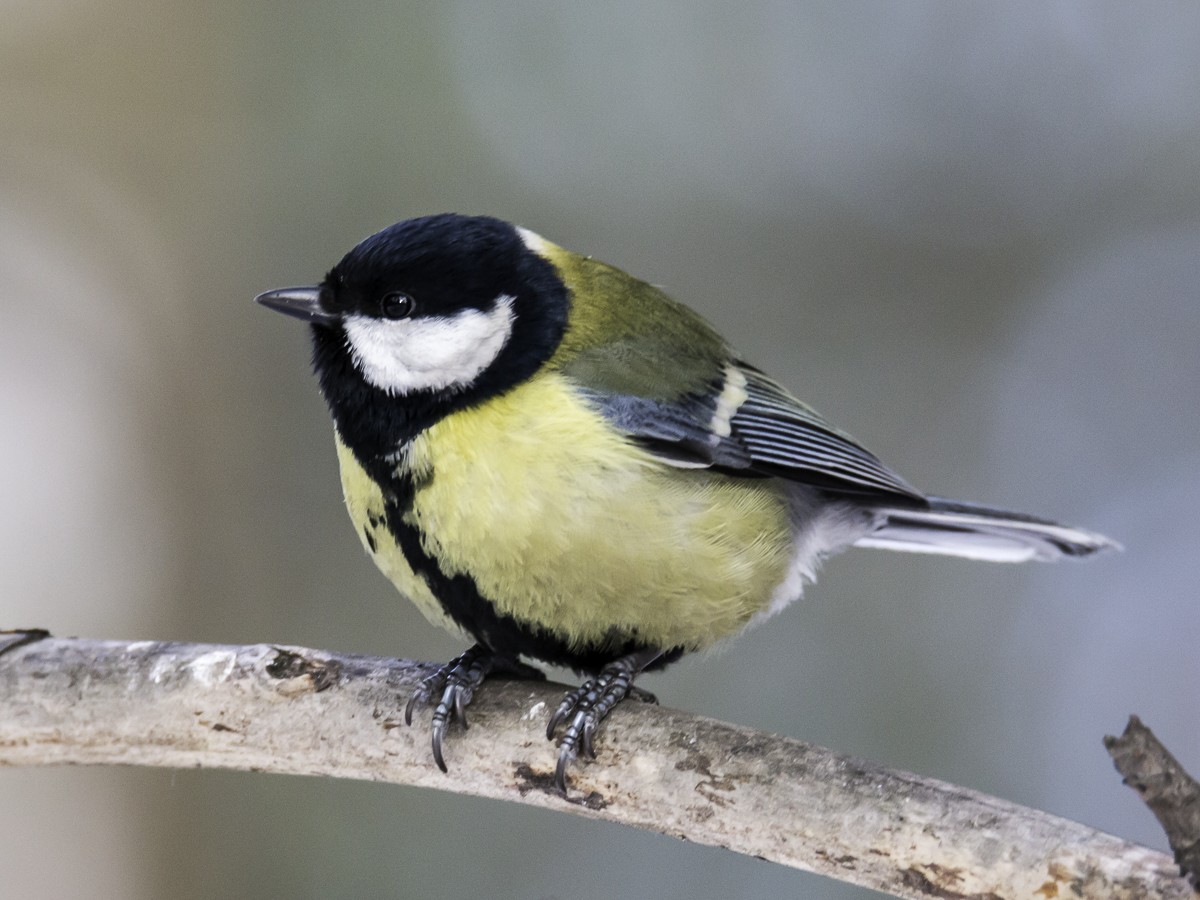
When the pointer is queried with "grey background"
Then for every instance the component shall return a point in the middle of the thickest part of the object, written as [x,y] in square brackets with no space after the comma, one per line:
[966,233]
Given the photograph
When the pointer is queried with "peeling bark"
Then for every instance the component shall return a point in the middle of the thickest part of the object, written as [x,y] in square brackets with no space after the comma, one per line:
[1170,792]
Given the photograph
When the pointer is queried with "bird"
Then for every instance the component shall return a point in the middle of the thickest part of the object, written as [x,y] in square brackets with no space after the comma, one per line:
[564,465]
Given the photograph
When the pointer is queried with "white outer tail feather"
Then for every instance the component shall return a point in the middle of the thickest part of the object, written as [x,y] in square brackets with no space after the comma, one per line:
[976,532]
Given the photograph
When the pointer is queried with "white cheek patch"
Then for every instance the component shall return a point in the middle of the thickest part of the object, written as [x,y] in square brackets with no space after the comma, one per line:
[434,353]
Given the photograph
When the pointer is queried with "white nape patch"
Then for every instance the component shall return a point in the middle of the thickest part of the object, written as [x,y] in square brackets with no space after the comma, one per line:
[733,395]
[429,353]
[533,241]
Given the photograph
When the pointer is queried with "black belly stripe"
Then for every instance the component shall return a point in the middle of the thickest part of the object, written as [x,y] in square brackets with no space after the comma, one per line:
[462,602]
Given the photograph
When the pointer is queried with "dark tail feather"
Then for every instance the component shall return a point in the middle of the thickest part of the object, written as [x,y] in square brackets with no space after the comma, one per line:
[976,532]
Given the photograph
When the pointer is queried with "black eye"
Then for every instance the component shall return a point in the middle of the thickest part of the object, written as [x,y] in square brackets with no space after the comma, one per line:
[396,305]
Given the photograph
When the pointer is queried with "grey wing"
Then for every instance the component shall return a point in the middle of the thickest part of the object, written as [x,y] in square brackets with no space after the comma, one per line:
[780,431]
[746,423]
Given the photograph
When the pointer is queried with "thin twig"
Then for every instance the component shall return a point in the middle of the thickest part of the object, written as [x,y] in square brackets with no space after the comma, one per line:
[1171,793]
[291,710]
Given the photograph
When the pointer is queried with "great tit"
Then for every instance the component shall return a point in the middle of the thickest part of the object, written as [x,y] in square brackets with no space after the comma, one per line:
[564,464]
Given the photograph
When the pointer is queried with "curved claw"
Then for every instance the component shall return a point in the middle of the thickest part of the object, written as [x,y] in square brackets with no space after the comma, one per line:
[578,736]
[462,696]
[439,732]
[560,771]
[589,731]
[560,715]
[412,704]
[455,696]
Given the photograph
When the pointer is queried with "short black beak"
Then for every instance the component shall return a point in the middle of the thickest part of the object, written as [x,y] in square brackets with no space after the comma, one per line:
[301,302]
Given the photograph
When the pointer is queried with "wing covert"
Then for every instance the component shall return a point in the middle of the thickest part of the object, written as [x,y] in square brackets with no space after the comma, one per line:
[745,422]
[782,433]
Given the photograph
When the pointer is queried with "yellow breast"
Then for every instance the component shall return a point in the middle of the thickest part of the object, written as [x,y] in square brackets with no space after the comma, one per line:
[563,524]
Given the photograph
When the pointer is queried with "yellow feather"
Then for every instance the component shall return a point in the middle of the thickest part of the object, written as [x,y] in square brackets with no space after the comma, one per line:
[562,523]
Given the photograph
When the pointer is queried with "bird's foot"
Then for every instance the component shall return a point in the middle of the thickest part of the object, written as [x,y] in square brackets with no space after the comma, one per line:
[454,684]
[584,708]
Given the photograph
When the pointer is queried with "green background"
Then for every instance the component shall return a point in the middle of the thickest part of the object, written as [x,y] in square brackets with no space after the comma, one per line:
[968,234]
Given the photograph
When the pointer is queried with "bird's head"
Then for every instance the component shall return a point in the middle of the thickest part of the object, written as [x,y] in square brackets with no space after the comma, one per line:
[441,304]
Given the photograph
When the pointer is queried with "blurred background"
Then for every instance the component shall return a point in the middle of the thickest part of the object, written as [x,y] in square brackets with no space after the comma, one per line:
[970,235]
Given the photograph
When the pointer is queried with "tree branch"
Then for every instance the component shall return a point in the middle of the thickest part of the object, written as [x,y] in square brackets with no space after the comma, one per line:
[290,710]
[1170,792]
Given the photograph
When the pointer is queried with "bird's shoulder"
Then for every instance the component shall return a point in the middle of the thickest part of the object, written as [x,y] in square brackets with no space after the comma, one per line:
[626,336]
[659,373]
